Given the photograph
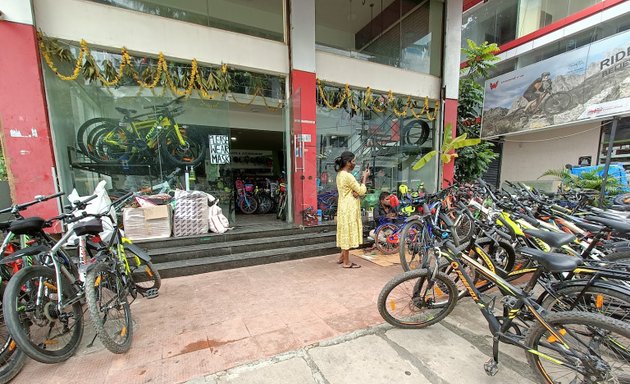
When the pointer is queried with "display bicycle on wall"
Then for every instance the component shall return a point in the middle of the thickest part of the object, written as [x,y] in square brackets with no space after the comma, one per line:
[142,138]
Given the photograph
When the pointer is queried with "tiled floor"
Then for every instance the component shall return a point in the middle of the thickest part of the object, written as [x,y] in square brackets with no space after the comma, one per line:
[207,323]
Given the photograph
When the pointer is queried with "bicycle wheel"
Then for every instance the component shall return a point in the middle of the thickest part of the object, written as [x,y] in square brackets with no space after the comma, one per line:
[106,299]
[30,310]
[87,132]
[192,152]
[265,203]
[501,253]
[414,299]
[386,239]
[248,205]
[614,304]
[598,346]
[556,103]
[464,226]
[415,245]
[143,273]
[11,358]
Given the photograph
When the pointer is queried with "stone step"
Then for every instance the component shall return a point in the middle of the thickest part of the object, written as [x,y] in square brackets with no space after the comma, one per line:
[243,233]
[261,243]
[245,259]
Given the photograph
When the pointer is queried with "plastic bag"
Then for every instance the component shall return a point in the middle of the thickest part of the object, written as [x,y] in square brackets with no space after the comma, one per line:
[101,204]
[217,222]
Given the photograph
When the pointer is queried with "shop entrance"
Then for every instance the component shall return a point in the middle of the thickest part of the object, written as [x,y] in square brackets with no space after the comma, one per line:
[257,163]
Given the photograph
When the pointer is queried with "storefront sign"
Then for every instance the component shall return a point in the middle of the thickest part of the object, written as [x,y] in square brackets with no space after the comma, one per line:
[589,83]
[219,149]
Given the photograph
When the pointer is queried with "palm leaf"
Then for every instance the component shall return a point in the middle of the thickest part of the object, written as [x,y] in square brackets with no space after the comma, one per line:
[424,160]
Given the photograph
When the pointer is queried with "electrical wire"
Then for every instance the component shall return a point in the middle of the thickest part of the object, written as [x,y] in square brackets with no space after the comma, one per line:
[553,138]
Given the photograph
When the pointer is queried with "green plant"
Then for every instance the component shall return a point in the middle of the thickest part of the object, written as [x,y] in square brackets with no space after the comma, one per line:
[473,161]
[447,151]
[590,180]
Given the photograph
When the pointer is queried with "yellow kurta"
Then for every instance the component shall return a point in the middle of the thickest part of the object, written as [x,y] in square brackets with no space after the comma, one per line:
[349,225]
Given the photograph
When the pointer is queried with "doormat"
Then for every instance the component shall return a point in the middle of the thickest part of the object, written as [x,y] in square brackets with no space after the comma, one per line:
[376,257]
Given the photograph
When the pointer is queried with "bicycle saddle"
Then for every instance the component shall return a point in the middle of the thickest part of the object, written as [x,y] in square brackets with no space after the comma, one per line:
[616,225]
[89,227]
[27,226]
[554,239]
[126,112]
[552,262]
[593,228]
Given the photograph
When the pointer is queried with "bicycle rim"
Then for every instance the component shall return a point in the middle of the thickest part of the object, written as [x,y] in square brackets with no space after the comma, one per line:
[593,341]
[415,299]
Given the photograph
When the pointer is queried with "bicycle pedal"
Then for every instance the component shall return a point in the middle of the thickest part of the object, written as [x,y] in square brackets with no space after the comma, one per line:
[491,367]
[151,293]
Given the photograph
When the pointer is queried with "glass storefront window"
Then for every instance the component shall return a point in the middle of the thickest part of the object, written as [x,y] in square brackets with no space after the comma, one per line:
[388,144]
[151,141]
[399,33]
[257,18]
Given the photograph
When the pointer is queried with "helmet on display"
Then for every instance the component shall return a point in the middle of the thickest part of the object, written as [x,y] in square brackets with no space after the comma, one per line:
[403,189]
[393,200]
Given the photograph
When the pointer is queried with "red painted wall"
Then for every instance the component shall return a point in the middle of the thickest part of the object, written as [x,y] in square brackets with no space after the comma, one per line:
[24,126]
[450,117]
[304,115]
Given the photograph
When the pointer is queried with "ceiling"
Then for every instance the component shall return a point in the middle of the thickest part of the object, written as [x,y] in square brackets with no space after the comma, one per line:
[259,140]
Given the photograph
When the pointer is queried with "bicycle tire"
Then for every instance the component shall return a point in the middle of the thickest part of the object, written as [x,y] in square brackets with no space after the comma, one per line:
[383,241]
[22,333]
[11,358]
[98,282]
[143,273]
[94,148]
[248,206]
[411,241]
[419,276]
[537,336]
[594,299]
[411,137]
[506,259]
[176,155]
[85,132]
[557,103]
[464,226]
[265,203]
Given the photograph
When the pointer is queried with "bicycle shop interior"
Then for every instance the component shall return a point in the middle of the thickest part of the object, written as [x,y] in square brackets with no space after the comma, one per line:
[241,136]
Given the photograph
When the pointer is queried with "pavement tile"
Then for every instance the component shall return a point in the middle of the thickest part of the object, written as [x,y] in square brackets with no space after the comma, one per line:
[366,360]
[190,365]
[236,352]
[264,322]
[352,320]
[184,343]
[276,342]
[151,372]
[309,332]
[227,331]
[285,372]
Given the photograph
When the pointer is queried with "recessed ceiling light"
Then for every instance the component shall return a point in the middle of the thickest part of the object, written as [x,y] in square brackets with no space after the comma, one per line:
[233,138]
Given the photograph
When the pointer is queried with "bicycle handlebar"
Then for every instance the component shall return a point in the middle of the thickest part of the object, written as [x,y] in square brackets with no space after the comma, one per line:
[38,199]
[165,105]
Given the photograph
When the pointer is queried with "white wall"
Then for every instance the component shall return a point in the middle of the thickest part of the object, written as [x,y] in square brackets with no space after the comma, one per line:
[359,73]
[108,26]
[17,11]
[527,156]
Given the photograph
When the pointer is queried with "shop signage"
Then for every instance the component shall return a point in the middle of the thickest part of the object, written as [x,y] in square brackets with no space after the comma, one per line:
[589,83]
[219,149]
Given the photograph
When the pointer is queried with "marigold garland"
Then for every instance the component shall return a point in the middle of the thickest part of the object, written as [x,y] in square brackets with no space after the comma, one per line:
[366,100]
[161,77]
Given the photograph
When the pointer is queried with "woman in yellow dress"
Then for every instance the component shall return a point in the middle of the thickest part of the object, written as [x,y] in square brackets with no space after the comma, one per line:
[349,225]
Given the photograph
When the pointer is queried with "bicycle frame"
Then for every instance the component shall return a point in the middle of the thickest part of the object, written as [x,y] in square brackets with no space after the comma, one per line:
[522,301]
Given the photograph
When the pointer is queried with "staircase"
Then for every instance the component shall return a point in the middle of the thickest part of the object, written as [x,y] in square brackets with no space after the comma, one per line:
[241,247]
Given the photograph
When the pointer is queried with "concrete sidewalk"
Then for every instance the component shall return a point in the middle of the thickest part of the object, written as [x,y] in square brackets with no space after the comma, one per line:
[316,321]
[448,352]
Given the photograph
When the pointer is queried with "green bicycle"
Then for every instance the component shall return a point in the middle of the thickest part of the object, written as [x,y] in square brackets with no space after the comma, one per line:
[140,138]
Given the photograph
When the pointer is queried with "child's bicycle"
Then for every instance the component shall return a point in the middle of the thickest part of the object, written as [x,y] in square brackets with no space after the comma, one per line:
[387,235]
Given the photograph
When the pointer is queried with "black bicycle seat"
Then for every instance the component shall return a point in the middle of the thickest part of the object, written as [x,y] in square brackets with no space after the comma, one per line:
[27,226]
[552,262]
[616,225]
[126,112]
[554,239]
[593,228]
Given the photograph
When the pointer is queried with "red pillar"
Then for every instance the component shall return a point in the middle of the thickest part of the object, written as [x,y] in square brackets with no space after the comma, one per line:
[304,140]
[450,117]
[24,127]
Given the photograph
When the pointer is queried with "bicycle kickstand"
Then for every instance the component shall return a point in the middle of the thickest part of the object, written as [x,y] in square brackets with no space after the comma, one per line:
[92,342]
[492,366]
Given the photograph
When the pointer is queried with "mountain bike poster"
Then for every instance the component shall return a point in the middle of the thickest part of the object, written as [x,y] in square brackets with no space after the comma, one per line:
[588,83]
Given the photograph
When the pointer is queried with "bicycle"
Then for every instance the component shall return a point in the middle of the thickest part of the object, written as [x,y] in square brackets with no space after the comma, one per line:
[139,137]
[558,338]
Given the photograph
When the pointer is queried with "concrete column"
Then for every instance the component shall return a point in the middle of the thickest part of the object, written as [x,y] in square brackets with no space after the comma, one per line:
[450,73]
[24,125]
[304,109]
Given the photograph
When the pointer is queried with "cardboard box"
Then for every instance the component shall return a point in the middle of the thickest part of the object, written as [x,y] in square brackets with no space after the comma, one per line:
[147,223]
[191,213]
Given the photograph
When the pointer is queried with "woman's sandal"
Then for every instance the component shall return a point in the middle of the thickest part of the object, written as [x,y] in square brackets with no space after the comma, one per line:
[352,265]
